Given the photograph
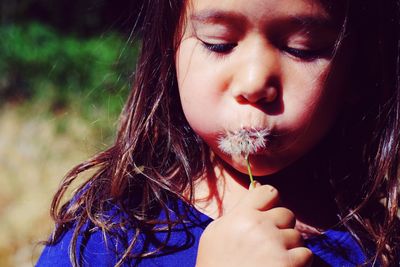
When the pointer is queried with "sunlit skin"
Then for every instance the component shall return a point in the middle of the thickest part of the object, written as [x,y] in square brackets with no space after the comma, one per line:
[259,64]
[232,54]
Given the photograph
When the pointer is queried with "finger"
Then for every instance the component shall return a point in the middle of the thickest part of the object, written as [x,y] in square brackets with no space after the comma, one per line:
[261,198]
[283,218]
[254,185]
[291,238]
[300,256]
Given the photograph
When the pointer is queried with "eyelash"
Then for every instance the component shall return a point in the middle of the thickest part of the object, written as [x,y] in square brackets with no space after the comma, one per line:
[219,49]
[302,54]
[306,54]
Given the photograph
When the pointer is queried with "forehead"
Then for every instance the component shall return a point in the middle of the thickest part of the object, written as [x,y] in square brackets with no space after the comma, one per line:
[256,11]
[248,4]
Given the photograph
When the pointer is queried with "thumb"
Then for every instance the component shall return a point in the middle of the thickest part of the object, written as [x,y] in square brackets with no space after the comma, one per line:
[262,197]
[254,185]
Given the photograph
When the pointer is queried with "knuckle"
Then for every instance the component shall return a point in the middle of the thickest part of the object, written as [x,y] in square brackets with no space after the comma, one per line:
[308,253]
[285,216]
[305,257]
[289,215]
[286,212]
[297,237]
[302,257]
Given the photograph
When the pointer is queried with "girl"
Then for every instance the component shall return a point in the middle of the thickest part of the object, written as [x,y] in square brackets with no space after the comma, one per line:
[304,93]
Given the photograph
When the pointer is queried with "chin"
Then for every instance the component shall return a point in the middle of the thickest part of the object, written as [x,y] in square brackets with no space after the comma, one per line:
[260,164]
[260,171]
[263,166]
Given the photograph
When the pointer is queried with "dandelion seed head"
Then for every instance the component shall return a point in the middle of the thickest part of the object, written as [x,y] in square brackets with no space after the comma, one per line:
[243,141]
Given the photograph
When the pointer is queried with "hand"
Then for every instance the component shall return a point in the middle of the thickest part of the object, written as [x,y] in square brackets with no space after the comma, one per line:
[255,233]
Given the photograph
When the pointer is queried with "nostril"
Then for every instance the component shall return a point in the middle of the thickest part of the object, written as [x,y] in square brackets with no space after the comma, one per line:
[266,96]
[271,93]
[241,99]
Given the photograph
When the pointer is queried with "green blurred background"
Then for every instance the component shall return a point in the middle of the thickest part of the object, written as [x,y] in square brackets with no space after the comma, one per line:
[65,70]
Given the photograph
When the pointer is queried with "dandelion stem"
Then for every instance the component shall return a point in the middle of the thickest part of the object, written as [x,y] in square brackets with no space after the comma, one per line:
[249,170]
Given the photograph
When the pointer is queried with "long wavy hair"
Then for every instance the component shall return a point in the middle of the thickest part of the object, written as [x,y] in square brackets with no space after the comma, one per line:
[156,156]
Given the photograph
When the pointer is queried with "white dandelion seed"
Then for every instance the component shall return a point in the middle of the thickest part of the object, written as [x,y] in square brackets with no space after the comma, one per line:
[243,141]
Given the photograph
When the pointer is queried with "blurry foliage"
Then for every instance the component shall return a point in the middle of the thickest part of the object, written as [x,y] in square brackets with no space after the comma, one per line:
[61,72]
[72,78]
[84,18]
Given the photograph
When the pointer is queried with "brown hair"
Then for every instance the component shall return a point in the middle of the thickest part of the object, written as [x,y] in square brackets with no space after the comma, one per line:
[365,161]
[156,156]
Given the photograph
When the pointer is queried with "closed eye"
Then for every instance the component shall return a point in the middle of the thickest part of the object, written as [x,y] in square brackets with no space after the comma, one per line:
[308,54]
[219,48]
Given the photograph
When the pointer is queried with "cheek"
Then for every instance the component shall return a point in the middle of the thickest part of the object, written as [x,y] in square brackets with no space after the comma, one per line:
[200,89]
[312,102]
[199,112]
[306,96]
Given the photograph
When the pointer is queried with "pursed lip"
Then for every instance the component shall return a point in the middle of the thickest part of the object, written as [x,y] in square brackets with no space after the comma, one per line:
[243,141]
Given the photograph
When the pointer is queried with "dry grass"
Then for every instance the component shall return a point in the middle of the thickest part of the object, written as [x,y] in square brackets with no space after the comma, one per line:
[36,150]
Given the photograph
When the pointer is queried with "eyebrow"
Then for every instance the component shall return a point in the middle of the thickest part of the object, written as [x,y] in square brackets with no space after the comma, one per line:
[220,17]
[315,21]
[210,16]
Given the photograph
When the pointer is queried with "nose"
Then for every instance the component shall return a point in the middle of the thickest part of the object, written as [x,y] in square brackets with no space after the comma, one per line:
[257,76]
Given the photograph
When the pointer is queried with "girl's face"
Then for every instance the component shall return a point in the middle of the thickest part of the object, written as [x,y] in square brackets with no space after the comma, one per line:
[260,64]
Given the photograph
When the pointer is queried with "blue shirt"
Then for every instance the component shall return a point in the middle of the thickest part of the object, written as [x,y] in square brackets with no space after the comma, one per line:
[333,248]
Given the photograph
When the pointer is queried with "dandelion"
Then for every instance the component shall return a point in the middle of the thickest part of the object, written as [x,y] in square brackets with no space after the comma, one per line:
[243,142]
